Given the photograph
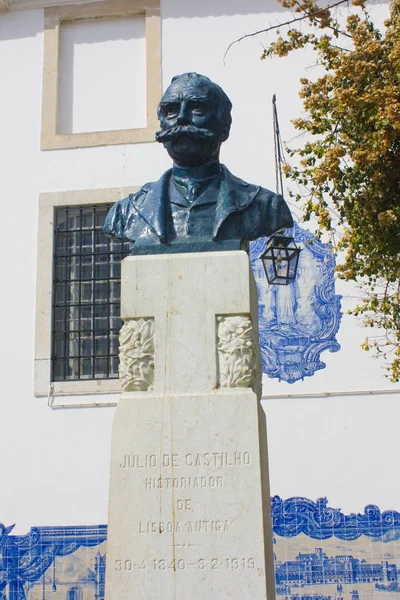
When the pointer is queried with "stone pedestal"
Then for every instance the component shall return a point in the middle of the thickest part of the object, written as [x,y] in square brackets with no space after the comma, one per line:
[189,512]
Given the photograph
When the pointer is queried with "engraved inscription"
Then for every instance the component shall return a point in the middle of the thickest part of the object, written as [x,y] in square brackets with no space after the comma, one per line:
[182,483]
[206,459]
[154,469]
[184,504]
[135,461]
[195,460]
[183,527]
[218,459]
[202,564]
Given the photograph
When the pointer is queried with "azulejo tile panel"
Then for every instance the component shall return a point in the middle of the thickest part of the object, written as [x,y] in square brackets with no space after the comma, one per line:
[299,321]
[320,554]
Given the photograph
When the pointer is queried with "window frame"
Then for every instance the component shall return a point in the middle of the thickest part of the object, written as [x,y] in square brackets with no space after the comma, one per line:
[54,17]
[48,203]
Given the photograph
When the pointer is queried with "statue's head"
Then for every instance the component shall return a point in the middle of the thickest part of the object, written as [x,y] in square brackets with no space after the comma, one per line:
[195,118]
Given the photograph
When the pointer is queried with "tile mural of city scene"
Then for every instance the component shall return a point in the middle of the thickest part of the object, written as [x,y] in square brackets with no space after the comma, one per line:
[334,570]
[320,554]
[78,576]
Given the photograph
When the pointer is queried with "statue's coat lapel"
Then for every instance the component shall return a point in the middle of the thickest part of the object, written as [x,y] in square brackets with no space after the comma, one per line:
[152,206]
[234,196]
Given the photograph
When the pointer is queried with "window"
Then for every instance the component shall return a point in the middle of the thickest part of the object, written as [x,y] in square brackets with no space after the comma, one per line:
[86,296]
[77,295]
[91,16]
[75,593]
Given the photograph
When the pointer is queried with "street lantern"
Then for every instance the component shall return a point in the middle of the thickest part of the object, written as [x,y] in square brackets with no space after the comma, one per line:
[280,259]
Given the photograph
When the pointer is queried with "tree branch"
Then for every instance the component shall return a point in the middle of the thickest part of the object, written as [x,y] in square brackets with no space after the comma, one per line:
[334,29]
[295,20]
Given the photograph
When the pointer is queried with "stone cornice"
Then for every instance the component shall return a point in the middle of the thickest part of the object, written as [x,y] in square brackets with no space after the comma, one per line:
[29,4]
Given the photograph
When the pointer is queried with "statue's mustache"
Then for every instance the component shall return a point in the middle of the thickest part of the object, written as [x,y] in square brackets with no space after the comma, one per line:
[172,133]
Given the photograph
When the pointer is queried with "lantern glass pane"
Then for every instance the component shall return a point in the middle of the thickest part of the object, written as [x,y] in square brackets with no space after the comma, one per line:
[270,272]
[280,260]
[281,265]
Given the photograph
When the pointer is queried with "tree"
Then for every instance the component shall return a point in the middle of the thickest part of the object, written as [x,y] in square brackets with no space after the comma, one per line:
[349,167]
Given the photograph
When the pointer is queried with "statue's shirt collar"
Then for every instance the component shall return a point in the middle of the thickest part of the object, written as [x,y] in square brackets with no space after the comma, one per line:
[192,183]
[203,172]
[192,191]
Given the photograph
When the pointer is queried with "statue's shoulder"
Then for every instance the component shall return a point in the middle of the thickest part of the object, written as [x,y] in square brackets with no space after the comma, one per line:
[124,218]
[239,184]
[258,194]
[117,215]
[122,212]
[273,210]
[135,197]
[124,205]
[265,209]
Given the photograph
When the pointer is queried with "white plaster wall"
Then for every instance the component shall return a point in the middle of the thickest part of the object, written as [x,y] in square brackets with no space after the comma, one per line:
[96,58]
[344,448]
[54,463]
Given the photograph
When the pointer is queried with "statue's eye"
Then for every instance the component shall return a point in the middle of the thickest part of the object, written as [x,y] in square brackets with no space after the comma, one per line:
[172,110]
[199,107]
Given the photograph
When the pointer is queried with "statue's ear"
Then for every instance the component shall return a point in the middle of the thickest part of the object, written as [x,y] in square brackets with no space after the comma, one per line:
[224,134]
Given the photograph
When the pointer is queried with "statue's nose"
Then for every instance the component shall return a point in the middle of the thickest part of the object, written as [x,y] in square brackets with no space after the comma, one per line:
[183,117]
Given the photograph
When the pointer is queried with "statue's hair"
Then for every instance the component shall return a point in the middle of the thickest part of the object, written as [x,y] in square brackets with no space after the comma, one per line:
[225,105]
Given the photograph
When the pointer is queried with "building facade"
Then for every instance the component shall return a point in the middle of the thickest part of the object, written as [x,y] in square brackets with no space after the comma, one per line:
[80,85]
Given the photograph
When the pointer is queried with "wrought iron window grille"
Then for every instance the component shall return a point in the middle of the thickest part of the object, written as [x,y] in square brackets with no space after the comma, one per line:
[86,295]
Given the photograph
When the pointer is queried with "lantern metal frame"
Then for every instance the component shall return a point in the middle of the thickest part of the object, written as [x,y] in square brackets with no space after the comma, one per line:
[280,249]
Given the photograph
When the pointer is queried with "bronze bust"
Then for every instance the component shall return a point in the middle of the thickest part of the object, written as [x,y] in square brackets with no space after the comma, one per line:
[198,205]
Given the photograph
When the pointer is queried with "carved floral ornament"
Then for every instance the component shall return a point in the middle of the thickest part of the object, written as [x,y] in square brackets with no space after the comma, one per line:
[136,354]
[235,351]
[235,348]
